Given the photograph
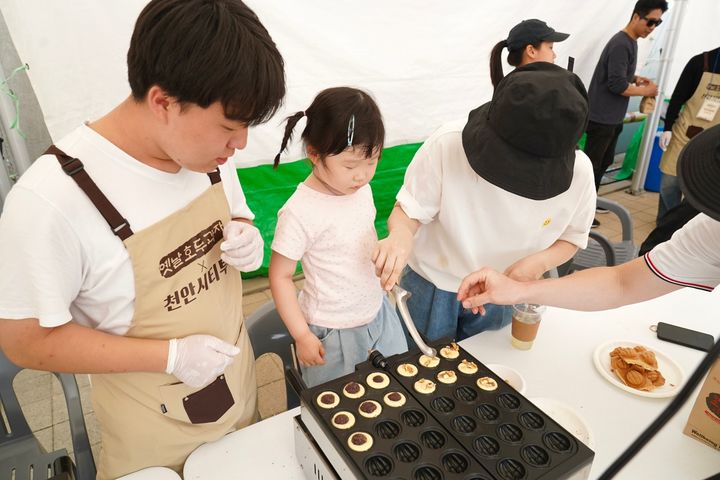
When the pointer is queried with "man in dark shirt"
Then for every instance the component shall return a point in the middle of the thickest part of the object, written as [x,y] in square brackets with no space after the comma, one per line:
[614,81]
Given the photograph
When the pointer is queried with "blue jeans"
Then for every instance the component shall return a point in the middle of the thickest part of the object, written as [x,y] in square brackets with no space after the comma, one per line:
[437,313]
[346,347]
[670,195]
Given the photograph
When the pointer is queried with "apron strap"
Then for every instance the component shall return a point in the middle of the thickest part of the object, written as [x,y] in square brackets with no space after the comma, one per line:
[214,176]
[76,170]
[706,66]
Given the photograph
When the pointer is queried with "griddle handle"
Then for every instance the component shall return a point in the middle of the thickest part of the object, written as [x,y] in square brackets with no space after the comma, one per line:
[401,296]
[295,380]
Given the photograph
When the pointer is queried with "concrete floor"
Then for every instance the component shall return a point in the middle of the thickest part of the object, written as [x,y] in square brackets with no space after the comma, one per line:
[42,400]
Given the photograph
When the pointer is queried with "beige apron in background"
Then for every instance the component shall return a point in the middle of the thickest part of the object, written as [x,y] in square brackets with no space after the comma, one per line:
[689,117]
[182,288]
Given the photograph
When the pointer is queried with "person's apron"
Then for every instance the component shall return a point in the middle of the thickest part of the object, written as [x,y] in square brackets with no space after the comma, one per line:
[181,288]
[694,117]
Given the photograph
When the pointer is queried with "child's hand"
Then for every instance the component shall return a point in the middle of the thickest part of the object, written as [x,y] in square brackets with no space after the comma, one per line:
[390,256]
[310,351]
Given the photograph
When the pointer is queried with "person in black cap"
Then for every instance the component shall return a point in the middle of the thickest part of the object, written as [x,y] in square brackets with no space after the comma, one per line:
[691,258]
[528,41]
[505,188]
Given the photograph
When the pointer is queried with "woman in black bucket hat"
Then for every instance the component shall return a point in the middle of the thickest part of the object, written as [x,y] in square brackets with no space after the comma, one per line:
[691,258]
[506,188]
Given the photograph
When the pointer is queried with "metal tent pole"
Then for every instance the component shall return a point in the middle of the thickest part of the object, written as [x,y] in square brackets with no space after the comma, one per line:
[14,141]
[652,121]
[6,182]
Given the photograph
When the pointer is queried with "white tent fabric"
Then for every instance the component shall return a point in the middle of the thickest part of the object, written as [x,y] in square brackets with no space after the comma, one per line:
[426,62]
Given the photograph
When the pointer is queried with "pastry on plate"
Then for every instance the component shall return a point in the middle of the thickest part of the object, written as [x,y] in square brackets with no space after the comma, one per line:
[636,367]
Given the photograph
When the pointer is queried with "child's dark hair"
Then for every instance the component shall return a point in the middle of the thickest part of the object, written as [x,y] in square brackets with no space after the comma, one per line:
[339,118]
[204,51]
[514,58]
[643,7]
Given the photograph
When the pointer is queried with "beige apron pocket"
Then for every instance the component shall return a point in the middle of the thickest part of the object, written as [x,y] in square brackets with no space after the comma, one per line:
[186,404]
[210,403]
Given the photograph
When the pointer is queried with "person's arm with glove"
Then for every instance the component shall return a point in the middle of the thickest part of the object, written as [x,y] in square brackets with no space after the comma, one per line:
[72,348]
[243,245]
[664,140]
[197,360]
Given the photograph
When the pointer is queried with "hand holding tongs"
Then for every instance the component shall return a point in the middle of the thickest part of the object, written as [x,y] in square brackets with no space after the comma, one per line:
[401,296]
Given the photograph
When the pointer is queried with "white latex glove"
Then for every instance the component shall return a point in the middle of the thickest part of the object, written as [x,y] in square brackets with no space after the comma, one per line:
[197,360]
[664,140]
[243,246]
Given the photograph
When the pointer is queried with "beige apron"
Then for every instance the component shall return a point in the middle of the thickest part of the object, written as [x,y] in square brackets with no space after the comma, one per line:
[182,288]
[688,119]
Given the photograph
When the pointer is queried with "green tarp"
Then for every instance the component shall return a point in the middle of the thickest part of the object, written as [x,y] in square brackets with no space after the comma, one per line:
[267,190]
[631,155]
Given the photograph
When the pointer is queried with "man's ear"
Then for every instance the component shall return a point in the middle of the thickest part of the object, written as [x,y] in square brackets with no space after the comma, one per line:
[159,102]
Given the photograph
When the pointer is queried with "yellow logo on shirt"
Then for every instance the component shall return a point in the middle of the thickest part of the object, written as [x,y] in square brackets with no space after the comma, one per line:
[547,222]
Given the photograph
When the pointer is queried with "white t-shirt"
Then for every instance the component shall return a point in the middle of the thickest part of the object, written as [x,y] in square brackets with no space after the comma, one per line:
[469,223]
[333,236]
[60,260]
[691,257]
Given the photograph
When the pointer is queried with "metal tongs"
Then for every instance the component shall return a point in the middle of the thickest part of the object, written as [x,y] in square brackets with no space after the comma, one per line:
[401,296]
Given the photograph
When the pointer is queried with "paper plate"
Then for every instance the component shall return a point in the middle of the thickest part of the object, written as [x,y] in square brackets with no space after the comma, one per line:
[511,376]
[674,375]
[567,417]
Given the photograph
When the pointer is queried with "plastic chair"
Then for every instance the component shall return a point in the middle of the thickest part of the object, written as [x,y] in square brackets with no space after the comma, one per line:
[21,452]
[601,251]
[268,334]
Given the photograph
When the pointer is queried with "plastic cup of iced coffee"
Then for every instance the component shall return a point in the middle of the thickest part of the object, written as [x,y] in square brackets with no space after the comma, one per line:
[525,322]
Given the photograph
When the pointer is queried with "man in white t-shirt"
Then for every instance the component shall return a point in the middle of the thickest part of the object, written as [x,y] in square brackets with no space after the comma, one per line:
[117,245]
[507,188]
[691,258]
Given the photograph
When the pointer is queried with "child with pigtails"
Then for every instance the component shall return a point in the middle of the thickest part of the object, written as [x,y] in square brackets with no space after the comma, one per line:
[328,225]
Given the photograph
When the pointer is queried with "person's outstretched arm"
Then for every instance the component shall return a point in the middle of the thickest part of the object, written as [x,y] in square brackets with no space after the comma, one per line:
[599,288]
[71,348]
